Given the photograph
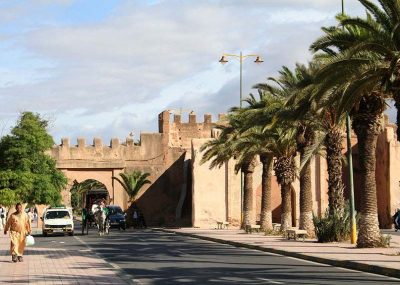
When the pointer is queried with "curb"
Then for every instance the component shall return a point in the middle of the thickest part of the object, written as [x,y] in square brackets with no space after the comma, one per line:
[375,269]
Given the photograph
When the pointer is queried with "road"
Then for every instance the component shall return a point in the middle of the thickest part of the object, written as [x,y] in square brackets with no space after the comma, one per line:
[152,257]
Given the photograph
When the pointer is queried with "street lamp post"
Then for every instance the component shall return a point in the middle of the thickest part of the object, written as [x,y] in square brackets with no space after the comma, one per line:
[241,58]
[350,162]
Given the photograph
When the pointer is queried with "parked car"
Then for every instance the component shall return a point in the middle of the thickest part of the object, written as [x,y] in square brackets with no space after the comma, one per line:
[58,220]
[116,217]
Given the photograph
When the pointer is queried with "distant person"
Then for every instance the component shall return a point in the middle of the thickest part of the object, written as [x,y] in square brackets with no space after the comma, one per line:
[31,215]
[135,218]
[19,226]
[396,220]
[2,217]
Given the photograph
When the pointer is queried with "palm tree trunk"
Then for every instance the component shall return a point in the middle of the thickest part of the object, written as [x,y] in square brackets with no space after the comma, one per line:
[367,127]
[286,207]
[248,169]
[333,145]
[266,211]
[285,171]
[306,214]
[367,136]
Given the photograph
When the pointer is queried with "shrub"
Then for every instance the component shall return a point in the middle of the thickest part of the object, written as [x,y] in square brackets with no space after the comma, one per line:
[336,227]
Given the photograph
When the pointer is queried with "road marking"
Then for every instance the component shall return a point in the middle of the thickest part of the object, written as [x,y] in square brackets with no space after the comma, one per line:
[270,281]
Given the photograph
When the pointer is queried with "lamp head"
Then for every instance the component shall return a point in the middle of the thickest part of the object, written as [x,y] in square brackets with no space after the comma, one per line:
[223,60]
[258,60]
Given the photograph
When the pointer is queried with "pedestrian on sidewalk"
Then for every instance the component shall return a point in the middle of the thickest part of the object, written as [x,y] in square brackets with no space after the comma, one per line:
[2,217]
[19,226]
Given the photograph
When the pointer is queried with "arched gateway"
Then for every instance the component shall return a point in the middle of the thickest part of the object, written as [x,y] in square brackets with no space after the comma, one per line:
[166,200]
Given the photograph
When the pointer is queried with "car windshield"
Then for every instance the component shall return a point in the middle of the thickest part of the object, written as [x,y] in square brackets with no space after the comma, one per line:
[57,215]
[115,210]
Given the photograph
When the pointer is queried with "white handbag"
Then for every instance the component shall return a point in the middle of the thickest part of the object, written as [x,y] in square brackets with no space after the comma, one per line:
[29,241]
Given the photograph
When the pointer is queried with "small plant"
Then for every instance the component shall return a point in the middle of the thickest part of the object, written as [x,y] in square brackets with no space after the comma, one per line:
[385,240]
[272,232]
[336,227]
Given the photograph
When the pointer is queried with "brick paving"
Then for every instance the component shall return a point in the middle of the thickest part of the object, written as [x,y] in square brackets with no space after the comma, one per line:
[384,261]
[55,266]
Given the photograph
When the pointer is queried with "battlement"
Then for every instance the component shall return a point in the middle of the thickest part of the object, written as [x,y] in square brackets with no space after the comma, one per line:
[97,143]
[179,133]
[151,148]
[165,118]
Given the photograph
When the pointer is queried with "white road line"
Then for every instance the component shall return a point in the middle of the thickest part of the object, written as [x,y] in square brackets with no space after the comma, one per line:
[270,281]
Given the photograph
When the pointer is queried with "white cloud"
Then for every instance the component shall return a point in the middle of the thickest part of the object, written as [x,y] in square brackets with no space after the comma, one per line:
[108,77]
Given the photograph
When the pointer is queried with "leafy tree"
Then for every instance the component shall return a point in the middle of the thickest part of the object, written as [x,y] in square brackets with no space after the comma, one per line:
[257,140]
[133,182]
[289,85]
[27,173]
[364,63]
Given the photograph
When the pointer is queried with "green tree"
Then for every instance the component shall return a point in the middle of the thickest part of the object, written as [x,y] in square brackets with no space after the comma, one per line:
[133,182]
[364,63]
[27,173]
[257,140]
[289,85]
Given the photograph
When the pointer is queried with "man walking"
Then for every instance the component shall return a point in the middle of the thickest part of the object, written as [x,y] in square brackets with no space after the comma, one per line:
[2,217]
[19,225]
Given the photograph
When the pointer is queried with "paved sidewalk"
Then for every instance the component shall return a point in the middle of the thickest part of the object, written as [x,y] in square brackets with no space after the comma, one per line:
[55,266]
[385,261]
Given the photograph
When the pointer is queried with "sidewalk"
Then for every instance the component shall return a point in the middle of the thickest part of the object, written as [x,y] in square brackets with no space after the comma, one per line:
[384,261]
[56,266]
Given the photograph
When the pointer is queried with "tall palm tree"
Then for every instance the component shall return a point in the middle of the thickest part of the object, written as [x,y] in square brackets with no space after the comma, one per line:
[257,140]
[290,84]
[365,63]
[285,168]
[374,43]
[133,182]
[281,144]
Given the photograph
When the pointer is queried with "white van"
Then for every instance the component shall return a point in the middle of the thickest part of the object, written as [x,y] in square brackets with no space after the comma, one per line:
[58,220]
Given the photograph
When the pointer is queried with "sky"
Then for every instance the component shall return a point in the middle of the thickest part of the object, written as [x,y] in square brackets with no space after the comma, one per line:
[107,68]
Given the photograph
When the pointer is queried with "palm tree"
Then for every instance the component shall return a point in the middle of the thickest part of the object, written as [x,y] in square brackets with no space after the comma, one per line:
[290,85]
[374,43]
[133,182]
[256,140]
[285,168]
[366,67]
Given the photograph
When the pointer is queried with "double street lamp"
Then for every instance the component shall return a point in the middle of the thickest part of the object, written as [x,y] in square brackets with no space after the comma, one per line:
[241,58]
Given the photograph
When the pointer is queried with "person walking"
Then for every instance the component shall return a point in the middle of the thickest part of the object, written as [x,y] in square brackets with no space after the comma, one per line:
[19,226]
[2,217]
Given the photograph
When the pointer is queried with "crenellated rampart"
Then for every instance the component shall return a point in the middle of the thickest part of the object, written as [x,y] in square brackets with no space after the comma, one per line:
[113,155]
[180,134]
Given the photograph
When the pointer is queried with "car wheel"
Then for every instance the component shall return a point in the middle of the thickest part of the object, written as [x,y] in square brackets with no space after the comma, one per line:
[71,234]
[45,234]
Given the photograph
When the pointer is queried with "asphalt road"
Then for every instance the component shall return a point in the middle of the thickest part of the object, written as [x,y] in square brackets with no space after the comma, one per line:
[152,257]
